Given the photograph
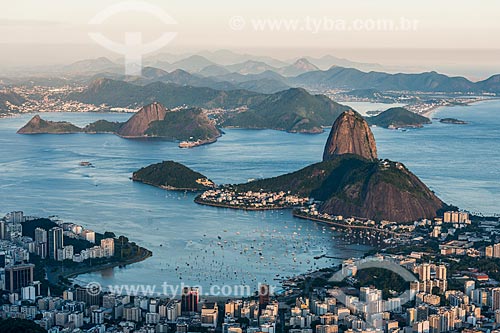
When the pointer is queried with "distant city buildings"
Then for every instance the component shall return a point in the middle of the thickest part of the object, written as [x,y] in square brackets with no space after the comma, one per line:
[456,217]
[18,276]
[56,242]
[108,247]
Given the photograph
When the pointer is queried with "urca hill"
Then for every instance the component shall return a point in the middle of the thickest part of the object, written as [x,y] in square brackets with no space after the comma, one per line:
[352,181]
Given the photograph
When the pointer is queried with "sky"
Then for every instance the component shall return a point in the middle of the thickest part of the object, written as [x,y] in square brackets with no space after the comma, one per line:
[442,33]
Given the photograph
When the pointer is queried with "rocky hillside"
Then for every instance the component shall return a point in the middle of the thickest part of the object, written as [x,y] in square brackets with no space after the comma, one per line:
[378,190]
[350,134]
[187,124]
[139,123]
[350,185]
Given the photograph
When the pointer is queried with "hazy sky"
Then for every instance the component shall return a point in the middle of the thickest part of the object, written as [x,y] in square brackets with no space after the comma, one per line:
[51,31]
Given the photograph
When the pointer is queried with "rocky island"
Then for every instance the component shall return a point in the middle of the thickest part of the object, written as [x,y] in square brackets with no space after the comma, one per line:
[151,121]
[38,125]
[452,121]
[174,176]
[398,118]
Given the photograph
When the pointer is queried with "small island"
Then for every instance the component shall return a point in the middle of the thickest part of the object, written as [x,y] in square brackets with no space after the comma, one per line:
[40,126]
[170,175]
[453,121]
[398,118]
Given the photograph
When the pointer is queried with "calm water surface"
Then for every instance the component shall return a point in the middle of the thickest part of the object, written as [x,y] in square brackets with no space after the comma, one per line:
[41,175]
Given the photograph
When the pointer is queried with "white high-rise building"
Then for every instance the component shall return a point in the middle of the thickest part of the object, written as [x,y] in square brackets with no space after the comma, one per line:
[88,235]
[469,286]
[424,272]
[108,247]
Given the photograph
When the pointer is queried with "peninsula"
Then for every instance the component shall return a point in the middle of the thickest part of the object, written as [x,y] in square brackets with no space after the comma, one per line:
[351,181]
[59,250]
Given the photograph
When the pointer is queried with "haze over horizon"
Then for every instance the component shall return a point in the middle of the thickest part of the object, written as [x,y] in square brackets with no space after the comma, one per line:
[39,34]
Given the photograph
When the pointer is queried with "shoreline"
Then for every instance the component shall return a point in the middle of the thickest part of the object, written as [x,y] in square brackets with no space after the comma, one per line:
[432,111]
[74,273]
[221,205]
[341,225]
[166,188]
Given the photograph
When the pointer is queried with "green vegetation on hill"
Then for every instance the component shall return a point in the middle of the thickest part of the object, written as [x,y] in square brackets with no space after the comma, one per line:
[350,185]
[102,126]
[292,110]
[398,117]
[186,124]
[11,325]
[124,94]
[318,180]
[173,176]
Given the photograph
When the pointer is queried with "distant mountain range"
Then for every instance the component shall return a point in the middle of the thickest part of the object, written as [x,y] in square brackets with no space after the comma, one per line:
[226,70]
[197,64]
[262,83]
[91,66]
[258,76]
[293,110]
[350,79]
